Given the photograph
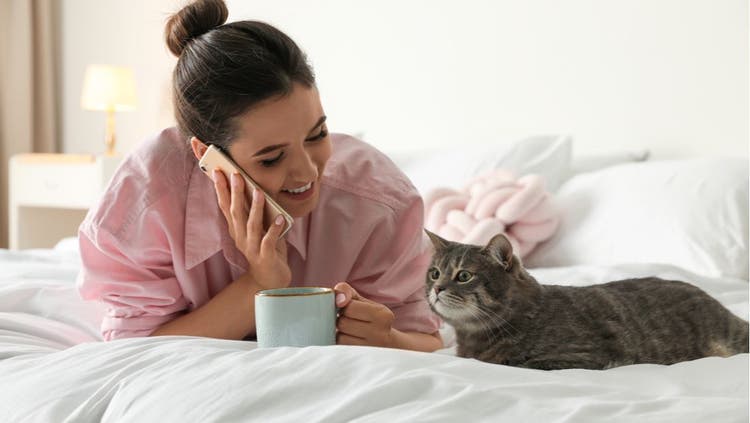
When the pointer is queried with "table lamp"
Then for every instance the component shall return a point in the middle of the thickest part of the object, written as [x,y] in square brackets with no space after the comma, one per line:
[108,88]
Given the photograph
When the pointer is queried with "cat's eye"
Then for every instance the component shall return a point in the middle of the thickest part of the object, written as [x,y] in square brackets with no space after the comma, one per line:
[464,276]
[434,273]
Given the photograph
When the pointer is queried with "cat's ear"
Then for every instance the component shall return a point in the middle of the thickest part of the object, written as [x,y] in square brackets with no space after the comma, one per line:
[501,250]
[438,242]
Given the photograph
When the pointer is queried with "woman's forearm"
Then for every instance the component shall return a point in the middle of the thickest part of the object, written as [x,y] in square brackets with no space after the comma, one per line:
[416,341]
[228,315]
[231,315]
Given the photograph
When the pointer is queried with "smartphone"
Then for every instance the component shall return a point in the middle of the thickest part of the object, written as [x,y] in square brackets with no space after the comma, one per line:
[214,158]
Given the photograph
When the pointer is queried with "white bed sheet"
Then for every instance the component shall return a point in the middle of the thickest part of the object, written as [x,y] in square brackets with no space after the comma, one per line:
[53,367]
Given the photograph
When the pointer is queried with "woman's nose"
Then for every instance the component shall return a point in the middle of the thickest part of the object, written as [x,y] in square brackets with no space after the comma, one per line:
[304,168]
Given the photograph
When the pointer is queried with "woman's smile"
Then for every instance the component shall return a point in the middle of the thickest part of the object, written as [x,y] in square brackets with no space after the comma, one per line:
[300,194]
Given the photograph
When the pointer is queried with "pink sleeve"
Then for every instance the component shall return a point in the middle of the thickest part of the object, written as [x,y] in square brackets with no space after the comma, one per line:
[391,269]
[134,279]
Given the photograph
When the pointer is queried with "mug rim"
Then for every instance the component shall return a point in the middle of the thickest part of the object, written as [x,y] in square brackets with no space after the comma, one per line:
[320,290]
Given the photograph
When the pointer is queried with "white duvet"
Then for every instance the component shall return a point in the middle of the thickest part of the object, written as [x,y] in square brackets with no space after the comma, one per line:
[53,367]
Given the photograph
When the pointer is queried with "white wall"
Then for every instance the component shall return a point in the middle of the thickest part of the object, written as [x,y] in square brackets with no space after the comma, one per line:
[124,33]
[668,75]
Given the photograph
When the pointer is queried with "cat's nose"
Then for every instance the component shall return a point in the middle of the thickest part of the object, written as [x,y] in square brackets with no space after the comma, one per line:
[439,289]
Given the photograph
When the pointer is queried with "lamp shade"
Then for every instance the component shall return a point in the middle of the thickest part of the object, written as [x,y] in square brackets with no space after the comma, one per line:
[108,88]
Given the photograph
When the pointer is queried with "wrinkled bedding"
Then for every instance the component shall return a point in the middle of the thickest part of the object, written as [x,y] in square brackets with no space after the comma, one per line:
[54,367]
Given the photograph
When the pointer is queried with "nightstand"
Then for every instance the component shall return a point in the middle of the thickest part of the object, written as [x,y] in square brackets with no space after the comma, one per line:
[50,194]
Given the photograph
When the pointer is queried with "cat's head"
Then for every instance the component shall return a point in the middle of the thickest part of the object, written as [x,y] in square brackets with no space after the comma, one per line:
[466,282]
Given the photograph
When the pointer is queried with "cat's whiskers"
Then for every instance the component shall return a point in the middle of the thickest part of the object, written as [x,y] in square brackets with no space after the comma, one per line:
[495,319]
[501,318]
[487,327]
[490,311]
[460,303]
[451,300]
[478,314]
[457,304]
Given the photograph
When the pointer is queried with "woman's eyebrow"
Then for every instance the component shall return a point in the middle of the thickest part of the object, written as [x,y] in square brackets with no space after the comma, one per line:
[270,148]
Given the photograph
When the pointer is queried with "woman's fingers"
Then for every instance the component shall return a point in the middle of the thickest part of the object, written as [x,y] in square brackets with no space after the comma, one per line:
[237,207]
[352,327]
[246,227]
[344,294]
[222,192]
[268,245]
[368,321]
[344,339]
[362,310]
[255,222]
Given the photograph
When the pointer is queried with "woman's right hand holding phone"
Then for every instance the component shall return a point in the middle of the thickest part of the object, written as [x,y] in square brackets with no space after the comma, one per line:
[263,250]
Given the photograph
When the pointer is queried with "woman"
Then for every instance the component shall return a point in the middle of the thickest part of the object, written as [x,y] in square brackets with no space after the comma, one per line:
[172,252]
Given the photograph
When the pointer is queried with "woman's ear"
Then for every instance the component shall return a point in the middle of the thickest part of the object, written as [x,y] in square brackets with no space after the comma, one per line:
[199,148]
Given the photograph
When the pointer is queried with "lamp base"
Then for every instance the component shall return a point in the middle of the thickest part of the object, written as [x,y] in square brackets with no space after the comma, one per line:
[109,137]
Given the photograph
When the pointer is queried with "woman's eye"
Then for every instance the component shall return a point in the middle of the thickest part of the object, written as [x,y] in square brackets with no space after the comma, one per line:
[322,134]
[271,162]
[464,276]
[434,273]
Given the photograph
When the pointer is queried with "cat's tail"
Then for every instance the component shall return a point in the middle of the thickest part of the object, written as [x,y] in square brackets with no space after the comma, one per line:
[739,337]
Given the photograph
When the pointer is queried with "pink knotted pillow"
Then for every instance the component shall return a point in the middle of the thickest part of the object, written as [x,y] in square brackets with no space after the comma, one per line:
[490,204]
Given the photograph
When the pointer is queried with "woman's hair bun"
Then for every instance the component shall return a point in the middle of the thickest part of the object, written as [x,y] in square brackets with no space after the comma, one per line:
[194,20]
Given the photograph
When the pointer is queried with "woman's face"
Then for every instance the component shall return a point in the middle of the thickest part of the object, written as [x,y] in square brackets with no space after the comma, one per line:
[283,144]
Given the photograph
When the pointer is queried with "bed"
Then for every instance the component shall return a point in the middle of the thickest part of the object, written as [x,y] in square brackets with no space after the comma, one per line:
[621,216]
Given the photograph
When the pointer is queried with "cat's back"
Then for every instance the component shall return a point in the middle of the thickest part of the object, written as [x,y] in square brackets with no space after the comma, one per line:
[649,319]
[648,284]
[654,290]
[649,287]
[650,296]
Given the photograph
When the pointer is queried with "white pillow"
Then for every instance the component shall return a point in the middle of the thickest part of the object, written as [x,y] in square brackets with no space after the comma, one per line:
[546,155]
[688,213]
[591,162]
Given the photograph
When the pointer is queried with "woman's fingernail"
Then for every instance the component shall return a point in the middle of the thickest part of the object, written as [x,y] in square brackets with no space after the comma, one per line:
[340,298]
[215,175]
[255,194]
[279,220]
[236,179]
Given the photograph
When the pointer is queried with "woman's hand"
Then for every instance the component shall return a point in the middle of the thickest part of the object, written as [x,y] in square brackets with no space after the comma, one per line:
[263,251]
[361,321]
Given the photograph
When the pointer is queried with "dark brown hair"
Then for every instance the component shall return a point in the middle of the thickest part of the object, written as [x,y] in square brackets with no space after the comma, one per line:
[223,70]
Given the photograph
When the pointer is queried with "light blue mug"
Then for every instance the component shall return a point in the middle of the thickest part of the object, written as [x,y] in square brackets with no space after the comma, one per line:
[295,317]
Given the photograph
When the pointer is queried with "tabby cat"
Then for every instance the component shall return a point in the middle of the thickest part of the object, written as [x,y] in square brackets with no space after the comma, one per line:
[502,315]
